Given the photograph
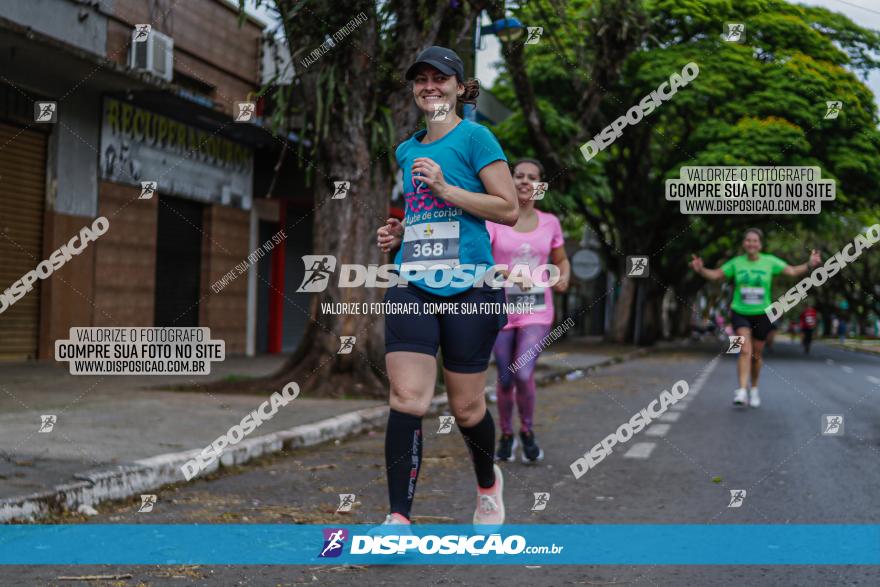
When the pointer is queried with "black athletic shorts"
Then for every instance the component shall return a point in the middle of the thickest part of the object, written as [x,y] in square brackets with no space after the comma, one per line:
[759,324]
[466,339]
[808,335]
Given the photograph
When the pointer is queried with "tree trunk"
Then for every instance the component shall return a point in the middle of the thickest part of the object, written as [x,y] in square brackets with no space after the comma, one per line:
[681,321]
[343,228]
[623,312]
[652,314]
[346,228]
[316,366]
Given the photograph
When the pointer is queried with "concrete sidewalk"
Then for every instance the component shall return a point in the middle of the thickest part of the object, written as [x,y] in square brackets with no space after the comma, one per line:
[115,436]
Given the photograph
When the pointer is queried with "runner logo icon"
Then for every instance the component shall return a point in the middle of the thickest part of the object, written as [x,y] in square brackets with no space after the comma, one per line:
[340,189]
[541,500]
[334,540]
[736,343]
[440,111]
[735,32]
[535,33]
[140,33]
[346,344]
[45,111]
[47,423]
[737,496]
[637,266]
[346,500]
[147,503]
[246,111]
[539,188]
[833,109]
[832,424]
[148,190]
[445,424]
[318,271]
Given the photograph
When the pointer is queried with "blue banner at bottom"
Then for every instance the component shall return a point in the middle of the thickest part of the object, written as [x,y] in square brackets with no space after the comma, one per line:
[533,544]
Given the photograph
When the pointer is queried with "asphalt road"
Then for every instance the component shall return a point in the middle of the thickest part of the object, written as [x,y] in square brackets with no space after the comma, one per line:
[681,472]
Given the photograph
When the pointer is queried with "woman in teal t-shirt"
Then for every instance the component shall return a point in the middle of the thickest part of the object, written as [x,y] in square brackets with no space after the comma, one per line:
[455,177]
[752,275]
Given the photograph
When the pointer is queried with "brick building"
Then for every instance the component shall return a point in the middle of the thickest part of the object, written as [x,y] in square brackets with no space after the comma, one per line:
[128,111]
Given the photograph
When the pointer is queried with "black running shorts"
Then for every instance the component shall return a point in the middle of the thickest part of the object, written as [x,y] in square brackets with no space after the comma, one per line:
[759,324]
[466,338]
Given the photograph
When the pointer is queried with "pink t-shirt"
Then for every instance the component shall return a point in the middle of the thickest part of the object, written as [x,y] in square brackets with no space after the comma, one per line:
[512,248]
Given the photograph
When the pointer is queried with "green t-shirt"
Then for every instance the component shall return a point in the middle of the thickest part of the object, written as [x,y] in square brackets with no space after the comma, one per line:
[752,282]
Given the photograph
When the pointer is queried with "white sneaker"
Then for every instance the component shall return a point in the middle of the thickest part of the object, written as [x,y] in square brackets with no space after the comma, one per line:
[403,527]
[490,503]
[754,398]
[740,397]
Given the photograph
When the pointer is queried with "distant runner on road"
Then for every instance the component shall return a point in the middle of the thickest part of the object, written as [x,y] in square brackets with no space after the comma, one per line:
[753,279]
[808,321]
[535,238]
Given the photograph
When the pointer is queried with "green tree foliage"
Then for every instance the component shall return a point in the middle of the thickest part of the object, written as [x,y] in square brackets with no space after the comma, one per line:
[858,283]
[761,102]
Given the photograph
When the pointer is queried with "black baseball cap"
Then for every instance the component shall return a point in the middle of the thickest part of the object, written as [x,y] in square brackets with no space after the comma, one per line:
[446,60]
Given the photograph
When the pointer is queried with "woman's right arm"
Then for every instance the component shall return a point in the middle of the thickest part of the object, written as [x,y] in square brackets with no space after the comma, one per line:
[710,274]
[390,236]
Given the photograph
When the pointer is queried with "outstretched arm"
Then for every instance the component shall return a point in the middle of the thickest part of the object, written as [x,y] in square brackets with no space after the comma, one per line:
[710,274]
[798,270]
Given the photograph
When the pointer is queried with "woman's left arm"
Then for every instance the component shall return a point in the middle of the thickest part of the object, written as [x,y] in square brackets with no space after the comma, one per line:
[501,205]
[560,259]
[798,270]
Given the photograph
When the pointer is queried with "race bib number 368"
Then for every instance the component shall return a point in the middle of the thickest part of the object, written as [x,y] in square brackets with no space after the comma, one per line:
[431,244]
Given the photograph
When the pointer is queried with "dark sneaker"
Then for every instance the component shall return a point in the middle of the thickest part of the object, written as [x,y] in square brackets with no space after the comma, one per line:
[532,453]
[506,448]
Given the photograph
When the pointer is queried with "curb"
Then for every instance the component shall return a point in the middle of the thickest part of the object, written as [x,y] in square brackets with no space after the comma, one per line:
[853,349]
[124,481]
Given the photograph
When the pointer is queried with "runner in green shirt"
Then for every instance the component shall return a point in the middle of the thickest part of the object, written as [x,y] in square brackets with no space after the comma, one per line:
[753,279]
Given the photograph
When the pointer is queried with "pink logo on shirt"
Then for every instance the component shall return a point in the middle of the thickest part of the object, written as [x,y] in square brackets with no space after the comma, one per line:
[422,199]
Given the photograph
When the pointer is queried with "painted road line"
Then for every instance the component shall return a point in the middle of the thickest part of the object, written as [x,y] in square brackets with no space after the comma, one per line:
[643,450]
[829,361]
[640,450]
[658,430]
[847,368]
[874,380]
[704,375]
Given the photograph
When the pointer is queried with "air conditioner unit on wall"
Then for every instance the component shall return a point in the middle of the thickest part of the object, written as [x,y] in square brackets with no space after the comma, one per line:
[155,54]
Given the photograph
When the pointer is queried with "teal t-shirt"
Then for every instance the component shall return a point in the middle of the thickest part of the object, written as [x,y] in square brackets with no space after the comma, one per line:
[753,281]
[438,234]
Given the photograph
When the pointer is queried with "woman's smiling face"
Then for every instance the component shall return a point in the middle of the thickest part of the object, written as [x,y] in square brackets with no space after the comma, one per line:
[432,87]
[524,177]
[752,243]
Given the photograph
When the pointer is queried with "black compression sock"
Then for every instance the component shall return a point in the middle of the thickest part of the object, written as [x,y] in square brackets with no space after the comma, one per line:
[403,459]
[480,440]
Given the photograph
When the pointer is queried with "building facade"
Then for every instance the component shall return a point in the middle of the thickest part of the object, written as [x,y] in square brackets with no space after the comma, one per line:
[143,133]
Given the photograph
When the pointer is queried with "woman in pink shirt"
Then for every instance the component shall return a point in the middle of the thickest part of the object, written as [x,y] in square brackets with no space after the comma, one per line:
[535,237]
